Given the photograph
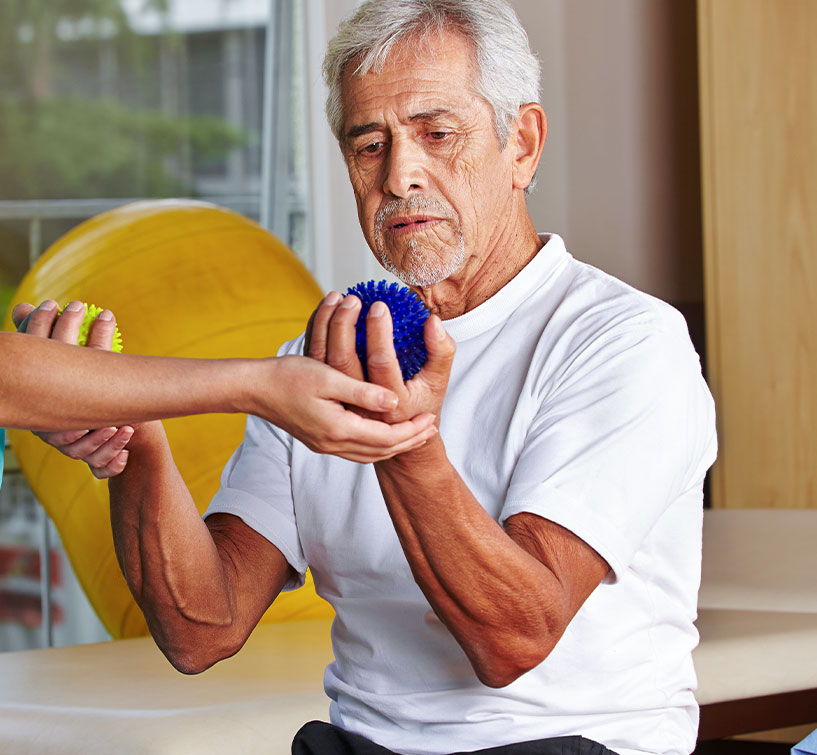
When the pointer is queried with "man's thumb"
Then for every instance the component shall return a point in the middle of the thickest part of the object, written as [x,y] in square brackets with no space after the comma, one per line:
[440,347]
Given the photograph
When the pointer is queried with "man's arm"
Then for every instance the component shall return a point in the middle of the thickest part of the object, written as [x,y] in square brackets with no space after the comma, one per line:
[202,586]
[48,385]
[506,595]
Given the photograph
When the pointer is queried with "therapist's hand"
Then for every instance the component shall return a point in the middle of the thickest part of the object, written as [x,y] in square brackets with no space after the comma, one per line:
[103,449]
[333,413]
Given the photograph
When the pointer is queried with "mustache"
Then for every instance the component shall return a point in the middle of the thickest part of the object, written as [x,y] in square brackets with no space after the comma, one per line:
[411,205]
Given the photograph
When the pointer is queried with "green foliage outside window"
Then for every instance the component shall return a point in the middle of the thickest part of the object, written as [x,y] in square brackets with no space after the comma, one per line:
[80,113]
[57,141]
[79,148]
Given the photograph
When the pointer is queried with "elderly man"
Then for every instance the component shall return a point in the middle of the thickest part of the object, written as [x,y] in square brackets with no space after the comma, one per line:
[525,581]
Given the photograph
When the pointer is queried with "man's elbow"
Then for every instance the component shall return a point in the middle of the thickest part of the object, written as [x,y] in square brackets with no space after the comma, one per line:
[195,657]
[189,664]
[506,664]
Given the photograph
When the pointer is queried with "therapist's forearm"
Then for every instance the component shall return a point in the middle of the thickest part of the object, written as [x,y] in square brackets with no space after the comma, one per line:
[47,385]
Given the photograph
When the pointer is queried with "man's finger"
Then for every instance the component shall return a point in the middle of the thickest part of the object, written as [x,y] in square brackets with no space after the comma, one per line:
[340,350]
[40,321]
[20,313]
[102,331]
[317,330]
[441,348]
[381,359]
[308,334]
[66,329]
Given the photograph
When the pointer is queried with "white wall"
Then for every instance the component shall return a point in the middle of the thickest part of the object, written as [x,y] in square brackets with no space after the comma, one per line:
[619,174]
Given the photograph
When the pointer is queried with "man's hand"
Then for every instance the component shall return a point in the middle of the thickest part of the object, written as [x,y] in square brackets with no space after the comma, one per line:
[331,339]
[103,449]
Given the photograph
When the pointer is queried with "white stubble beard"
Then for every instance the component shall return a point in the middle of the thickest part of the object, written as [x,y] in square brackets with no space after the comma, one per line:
[417,269]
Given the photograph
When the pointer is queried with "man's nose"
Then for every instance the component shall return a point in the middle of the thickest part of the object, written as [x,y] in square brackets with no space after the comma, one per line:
[404,168]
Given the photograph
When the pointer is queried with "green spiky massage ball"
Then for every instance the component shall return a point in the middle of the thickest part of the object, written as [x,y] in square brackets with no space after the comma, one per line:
[91,312]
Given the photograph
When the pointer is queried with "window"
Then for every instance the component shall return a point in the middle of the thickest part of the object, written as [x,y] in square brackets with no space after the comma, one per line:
[103,102]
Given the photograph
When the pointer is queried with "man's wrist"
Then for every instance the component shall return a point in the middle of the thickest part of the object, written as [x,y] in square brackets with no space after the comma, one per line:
[418,460]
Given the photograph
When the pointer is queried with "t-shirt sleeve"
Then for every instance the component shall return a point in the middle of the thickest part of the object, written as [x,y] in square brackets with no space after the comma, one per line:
[626,429]
[256,487]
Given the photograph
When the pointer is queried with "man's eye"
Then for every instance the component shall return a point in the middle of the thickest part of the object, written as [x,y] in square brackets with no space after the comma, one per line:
[438,135]
[371,149]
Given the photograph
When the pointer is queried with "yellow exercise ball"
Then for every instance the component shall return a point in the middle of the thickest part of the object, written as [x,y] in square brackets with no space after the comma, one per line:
[184,279]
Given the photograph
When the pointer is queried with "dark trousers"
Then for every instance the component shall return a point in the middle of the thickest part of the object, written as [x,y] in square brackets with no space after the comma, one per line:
[320,738]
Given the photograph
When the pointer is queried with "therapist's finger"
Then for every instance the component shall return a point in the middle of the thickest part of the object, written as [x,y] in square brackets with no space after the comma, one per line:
[20,313]
[40,321]
[66,329]
[102,331]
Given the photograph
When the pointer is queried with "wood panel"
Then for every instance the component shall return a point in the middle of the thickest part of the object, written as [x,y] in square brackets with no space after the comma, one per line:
[758,78]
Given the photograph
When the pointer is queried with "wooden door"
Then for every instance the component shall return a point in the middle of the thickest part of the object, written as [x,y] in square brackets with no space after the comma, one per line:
[758,77]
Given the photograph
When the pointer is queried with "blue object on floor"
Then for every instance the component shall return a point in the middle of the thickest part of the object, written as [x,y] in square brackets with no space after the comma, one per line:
[408,314]
[807,747]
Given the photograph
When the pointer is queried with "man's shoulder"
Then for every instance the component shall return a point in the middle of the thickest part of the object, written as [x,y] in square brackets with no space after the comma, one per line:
[596,303]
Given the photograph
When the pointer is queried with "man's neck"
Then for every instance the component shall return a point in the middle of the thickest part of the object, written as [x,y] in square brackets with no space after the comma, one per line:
[506,254]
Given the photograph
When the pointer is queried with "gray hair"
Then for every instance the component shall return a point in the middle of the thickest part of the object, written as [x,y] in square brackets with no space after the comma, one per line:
[508,71]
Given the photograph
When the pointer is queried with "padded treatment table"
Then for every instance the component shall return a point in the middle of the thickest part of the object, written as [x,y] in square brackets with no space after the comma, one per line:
[124,697]
[757,661]
[756,665]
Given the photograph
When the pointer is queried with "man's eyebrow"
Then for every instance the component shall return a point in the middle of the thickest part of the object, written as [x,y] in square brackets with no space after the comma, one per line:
[366,128]
[430,115]
[425,115]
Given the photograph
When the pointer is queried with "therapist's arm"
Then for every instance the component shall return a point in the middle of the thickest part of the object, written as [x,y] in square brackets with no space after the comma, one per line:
[47,384]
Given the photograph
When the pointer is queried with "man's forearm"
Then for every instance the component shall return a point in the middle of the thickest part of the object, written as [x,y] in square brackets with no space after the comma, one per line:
[202,586]
[167,555]
[501,604]
[47,385]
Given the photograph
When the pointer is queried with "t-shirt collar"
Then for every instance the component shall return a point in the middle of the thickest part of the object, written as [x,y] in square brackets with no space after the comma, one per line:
[528,280]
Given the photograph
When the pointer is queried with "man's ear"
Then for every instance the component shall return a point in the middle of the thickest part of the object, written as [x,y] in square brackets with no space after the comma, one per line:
[529,137]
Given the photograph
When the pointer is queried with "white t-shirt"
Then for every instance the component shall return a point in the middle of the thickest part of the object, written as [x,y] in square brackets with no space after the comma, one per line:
[574,397]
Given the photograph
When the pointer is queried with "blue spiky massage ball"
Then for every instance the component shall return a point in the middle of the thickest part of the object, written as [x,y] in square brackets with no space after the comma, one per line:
[408,314]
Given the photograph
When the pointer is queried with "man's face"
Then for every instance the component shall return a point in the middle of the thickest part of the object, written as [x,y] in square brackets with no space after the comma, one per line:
[430,180]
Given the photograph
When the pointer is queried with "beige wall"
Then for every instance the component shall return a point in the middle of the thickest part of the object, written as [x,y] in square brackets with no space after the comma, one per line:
[619,176]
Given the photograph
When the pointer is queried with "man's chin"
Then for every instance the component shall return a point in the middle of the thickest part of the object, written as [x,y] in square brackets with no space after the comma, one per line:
[419,277]
[419,273]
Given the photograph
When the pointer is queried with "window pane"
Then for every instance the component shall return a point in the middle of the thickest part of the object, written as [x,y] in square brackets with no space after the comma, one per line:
[107,101]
